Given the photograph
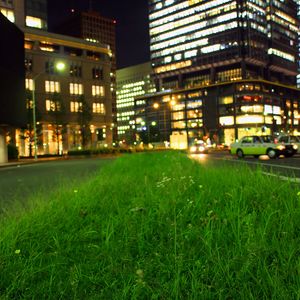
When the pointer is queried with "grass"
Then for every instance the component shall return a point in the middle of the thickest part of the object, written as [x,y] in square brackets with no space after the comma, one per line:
[157,226]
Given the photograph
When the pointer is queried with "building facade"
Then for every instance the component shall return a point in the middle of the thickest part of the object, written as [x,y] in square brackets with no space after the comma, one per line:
[94,27]
[132,82]
[73,106]
[67,109]
[241,48]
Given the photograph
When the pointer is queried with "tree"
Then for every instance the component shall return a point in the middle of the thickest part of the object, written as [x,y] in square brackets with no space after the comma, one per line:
[27,133]
[58,117]
[84,119]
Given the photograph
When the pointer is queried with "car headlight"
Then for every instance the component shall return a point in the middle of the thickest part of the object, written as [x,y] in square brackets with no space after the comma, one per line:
[193,149]
[201,148]
[280,147]
[295,147]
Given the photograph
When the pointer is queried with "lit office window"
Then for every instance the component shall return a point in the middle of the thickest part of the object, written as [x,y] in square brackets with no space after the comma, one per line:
[52,86]
[98,108]
[29,84]
[52,105]
[33,22]
[75,106]
[9,14]
[76,89]
[98,90]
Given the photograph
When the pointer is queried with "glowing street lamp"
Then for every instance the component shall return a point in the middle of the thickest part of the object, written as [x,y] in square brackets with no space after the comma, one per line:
[59,66]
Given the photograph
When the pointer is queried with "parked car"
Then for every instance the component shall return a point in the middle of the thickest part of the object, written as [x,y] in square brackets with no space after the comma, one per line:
[258,145]
[198,146]
[290,139]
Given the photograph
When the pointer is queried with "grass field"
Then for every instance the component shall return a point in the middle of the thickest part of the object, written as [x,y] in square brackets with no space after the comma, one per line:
[157,226]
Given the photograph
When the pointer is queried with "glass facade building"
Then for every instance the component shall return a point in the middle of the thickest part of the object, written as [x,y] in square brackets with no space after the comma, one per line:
[132,82]
[232,49]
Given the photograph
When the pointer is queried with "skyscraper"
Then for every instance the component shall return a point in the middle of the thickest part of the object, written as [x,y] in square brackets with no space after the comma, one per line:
[230,65]
[196,41]
[132,82]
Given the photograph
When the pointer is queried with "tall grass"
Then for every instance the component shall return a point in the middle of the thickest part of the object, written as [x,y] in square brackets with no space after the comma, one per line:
[157,226]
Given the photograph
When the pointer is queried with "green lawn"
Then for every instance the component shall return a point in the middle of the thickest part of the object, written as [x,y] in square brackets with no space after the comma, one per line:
[157,226]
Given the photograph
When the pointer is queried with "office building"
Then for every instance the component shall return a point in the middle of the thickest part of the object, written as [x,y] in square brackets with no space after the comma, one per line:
[72,108]
[61,97]
[239,57]
[132,82]
[25,13]
[94,27]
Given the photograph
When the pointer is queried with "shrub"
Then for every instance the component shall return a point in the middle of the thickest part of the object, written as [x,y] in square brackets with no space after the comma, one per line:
[12,151]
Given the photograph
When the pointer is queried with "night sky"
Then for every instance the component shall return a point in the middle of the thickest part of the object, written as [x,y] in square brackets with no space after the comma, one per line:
[132,24]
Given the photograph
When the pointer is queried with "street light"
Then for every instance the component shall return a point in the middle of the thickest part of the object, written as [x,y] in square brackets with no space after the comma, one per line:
[59,66]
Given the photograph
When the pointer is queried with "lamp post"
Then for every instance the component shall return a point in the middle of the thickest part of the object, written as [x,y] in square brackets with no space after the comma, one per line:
[60,66]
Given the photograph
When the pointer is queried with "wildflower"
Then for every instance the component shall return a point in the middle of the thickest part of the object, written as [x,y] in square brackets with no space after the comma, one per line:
[140,273]
[18,251]
[138,209]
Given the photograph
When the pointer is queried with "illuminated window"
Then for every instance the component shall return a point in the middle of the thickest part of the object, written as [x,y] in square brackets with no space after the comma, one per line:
[75,106]
[52,105]
[178,115]
[33,22]
[76,89]
[98,90]
[52,86]
[249,119]
[226,100]
[9,14]
[228,120]
[29,84]
[178,125]
[98,108]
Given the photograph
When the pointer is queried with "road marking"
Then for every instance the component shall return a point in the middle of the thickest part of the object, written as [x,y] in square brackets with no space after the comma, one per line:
[294,180]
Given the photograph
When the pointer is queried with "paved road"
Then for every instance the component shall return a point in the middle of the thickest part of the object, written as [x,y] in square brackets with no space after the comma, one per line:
[19,182]
[285,168]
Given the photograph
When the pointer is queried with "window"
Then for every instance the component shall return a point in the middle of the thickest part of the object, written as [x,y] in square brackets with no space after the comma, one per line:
[98,90]
[75,106]
[52,86]
[29,104]
[76,89]
[9,14]
[97,73]
[75,71]
[226,100]
[52,105]
[98,108]
[29,84]
[33,22]
[50,68]
[28,65]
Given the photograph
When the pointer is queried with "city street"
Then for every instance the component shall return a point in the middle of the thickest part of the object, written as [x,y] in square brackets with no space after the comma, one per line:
[285,168]
[19,182]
